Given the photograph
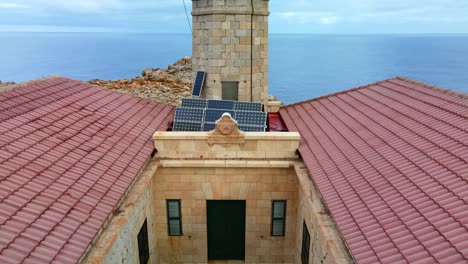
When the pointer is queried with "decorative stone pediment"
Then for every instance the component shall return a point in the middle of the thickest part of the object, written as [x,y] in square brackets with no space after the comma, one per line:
[226,132]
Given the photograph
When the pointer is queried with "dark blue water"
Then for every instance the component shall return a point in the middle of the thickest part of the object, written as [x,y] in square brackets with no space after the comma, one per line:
[301,66]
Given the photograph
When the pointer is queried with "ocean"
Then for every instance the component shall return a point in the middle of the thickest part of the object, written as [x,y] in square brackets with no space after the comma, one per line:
[301,66]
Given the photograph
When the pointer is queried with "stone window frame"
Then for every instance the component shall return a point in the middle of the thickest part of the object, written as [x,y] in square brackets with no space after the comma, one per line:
[305,244]
[169,218]
[143,243]
[282,218]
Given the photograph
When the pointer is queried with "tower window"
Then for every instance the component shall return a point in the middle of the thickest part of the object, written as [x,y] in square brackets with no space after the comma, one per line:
[143,248]
[278,217]
[230,91]
[174,218]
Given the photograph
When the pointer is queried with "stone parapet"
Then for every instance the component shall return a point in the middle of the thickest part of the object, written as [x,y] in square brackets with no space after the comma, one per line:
[327,244]
[203,7]
[273,106]
[255,145]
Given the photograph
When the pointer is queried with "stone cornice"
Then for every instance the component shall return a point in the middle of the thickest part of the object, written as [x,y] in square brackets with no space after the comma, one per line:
[229,12]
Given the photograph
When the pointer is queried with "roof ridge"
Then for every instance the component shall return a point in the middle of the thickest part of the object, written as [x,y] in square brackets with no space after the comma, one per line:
[26,83]
[340,92]
[440,89]
[55,76]
[416,171]
[143,99]
[457,94]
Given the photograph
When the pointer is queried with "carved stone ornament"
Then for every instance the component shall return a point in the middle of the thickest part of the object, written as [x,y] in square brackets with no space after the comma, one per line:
[226,132]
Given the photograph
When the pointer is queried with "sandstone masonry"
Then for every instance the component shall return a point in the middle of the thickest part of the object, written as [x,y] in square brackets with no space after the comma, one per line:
[230,43]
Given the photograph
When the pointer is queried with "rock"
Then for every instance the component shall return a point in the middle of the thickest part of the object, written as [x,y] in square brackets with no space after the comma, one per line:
[5,84]
[151,74]
[165,86]
[182,70]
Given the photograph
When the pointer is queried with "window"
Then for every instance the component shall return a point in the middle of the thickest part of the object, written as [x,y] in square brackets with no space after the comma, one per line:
[305,244]
[278,217]
[230,91]
[174,218]
[143,248]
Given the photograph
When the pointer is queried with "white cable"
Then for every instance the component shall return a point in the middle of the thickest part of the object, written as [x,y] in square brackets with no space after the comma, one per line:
[188,19]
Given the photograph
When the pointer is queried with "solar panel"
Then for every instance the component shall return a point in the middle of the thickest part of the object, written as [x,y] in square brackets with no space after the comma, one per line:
[194,103]
[208,126]
[187,126]
[189,114]
[197,114]
[252,118]
[221,104]
[188,119]
[198,84]
[211,115]
[248,106]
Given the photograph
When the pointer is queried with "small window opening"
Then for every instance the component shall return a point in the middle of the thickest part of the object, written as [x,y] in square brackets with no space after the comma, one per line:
[278,218]
[174,218]
[230,91]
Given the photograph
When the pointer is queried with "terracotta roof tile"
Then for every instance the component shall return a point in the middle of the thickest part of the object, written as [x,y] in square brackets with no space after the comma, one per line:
[390,160]
[68,152]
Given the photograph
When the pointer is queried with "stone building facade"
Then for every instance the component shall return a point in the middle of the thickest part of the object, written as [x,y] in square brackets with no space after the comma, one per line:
[196,168]
[230,43]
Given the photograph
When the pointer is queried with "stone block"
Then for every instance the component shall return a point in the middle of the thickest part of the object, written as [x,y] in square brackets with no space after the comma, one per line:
[245,25]
[226,25]
[245,40]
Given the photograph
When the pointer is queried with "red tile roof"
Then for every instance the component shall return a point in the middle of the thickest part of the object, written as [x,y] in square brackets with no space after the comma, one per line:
[391,162]
[68,152]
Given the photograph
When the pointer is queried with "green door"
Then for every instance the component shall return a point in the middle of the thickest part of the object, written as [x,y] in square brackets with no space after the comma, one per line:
[226,230]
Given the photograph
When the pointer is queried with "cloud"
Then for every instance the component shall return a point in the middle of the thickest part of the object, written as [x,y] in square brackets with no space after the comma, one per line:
[369,16]
[328,20]
[81,5]
[296,16]
[99,5]
[7,5]
[324,18]
[47,28]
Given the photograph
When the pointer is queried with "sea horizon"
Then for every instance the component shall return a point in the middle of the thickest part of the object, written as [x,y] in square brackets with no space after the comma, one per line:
[271,33]
[302,66]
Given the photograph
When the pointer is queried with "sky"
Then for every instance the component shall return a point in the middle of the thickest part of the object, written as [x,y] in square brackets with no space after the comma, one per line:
[287,16]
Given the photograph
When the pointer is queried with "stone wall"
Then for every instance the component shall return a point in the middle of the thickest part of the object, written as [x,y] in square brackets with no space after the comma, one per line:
[125,248]
[232,45]
[258,186]
[196,167]
[226,164]
[117,241]
[187,147]
[327,246]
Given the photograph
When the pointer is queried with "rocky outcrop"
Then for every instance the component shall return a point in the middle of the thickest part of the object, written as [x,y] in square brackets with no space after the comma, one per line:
[161,85]
[5,84]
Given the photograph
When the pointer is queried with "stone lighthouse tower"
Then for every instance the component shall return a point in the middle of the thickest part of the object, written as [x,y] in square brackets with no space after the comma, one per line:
[230,43]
